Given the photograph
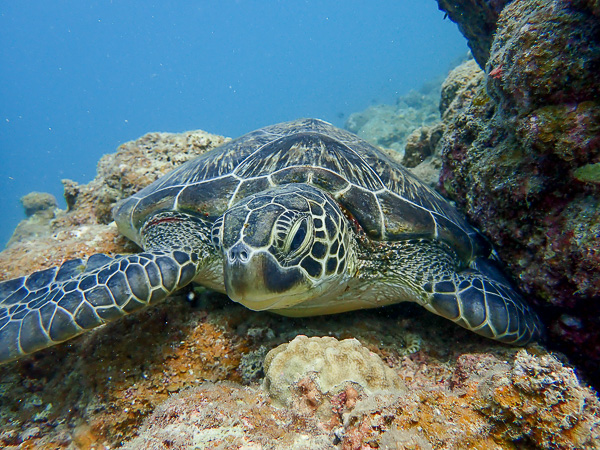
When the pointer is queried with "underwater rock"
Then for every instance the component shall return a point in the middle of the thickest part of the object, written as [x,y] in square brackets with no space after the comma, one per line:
[524,399]
[409,132]
[135,165]
[377,124]
[464,78]
[227,416]
[48,250]
[520,149]
[551,409]
[40,208]
[38,203]
[544,54]
[592,6]
[421,144]
[543,402]
[51,236]
[476,20]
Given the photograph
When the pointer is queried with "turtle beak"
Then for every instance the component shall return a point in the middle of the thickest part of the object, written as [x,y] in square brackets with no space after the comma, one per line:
[256,280]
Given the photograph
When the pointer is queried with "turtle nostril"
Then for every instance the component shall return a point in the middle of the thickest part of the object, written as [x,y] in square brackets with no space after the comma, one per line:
[239,252]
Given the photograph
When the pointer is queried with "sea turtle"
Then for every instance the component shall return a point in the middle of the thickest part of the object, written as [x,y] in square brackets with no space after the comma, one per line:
[300,218]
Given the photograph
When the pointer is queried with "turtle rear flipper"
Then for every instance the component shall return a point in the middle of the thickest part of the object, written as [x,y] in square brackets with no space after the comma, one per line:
[485,304]
[53,305]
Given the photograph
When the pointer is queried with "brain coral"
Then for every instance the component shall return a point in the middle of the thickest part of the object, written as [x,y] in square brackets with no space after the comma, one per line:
[330,363]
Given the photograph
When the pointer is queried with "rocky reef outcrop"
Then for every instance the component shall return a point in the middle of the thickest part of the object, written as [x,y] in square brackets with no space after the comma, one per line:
[398,128]
[521,151]
[530,402]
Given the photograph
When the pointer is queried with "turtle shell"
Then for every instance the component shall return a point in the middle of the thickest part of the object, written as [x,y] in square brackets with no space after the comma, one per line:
[386,200]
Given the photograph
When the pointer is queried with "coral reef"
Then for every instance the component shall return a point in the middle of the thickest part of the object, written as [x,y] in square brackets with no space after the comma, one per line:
[476,20]
[551,410]
[525,399]
[521,159]
[520,152]
[173,376]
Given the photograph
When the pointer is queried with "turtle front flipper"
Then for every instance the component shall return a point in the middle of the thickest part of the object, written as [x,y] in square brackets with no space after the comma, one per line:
[482,300]
[53,305]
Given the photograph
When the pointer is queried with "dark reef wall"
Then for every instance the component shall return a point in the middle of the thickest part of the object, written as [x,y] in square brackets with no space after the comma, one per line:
[476,20]
[521,156]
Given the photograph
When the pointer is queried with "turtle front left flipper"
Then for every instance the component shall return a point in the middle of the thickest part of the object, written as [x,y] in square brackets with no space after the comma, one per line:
[57,304]
[477,297]
[483,301]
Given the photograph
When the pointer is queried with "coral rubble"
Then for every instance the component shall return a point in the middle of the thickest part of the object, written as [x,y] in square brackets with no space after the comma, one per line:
[226,416]
[523,399]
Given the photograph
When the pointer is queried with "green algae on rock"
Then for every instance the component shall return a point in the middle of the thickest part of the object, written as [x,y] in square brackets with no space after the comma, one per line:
[590,173]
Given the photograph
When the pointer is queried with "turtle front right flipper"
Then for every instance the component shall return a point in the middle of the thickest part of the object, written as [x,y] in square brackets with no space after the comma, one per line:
[57,304]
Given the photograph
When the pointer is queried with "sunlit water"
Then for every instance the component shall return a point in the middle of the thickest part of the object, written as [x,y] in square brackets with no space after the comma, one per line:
[79,78]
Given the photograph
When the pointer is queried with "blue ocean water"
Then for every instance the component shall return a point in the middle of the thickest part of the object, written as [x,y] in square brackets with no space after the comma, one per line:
[79,78]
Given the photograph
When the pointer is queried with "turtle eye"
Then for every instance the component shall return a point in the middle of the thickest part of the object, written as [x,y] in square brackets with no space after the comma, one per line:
[298,238]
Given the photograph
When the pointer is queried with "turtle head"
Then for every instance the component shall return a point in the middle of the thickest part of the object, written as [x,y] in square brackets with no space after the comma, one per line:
[284,246]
